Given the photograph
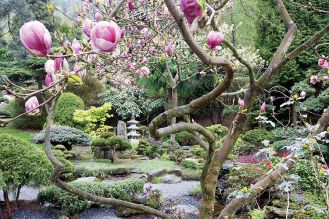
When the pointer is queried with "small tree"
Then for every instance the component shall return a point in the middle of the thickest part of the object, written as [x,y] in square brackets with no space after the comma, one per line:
[20,163]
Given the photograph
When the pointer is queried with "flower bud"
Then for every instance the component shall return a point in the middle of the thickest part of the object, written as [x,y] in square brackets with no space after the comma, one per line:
[313,79]
[87,26]
[98,16]
[191,9]
[76,47]
[214,39]
[36,38]
[323,63]
[50,67]
[170,49]
[31,105]
[263,107]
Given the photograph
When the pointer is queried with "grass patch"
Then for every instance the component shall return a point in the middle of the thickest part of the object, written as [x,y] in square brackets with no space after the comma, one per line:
[190,174]
[25,135]
[102,168]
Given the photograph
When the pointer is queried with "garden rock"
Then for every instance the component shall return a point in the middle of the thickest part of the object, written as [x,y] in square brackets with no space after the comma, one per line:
[140,176]
[279,212]
[126,212]
[156,173]
[171,179]
[86,179]
[193,160]
[177,172]
[190,211]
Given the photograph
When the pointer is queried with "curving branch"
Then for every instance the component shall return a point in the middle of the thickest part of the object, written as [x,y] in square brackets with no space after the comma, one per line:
[59,168]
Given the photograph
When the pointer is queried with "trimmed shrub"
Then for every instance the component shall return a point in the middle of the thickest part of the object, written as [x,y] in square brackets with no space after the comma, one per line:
[16,107]
[143,144]
[123,190]
[118,143]
[198,151]
[188,164]
[98,142]
[66,105]
[107,135]
[89,91]
[218,129]
[63,135]
[256,136]
[185,138]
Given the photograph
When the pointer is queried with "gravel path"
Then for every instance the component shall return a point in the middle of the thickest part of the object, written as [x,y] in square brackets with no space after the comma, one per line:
[183,188]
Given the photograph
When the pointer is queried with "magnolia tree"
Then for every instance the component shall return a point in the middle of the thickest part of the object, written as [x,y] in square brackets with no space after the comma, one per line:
[122,40]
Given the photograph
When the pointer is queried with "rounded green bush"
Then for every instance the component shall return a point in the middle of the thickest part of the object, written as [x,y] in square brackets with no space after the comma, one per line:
[119,143]
[98,142]
[65,107]
[256,136]
[188,164]
[185,138]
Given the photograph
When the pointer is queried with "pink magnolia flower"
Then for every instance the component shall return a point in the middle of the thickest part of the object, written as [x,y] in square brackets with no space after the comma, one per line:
[322,134]
[131,5]
[325,78]
[105,36]
[313,79]
[132,65]
[98,16]
[263,107]
[271,99]
[76,46]
[214,39]
[50,67]
[87,26]
[135,87]
[77,69]
[36,38]
[242,105]
[144,60]
[302,94]
[127,82]
[323,63]
[66,66]
[191,9]
[31,105]
[151,49]
[145,71]
[48,80]
[170,49]
[58,63]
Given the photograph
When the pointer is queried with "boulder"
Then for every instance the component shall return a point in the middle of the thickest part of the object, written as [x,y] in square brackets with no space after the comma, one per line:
[176,171]
[156,173]
[126,212]
[274,212]
[171,179]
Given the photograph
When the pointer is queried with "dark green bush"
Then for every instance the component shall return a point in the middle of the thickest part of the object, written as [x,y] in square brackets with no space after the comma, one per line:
[89,91]
[280,145]
[307,181]
[288,133]
[152,151]
[98,142]
[123,190]
[188,164]
[16,107]
[143,144]
[107,135]
[185,138]
[256,136]
[64,135]
[66,105]
[118,143]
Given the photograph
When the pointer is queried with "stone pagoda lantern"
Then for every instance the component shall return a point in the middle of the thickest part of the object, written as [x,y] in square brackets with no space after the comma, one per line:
[133,127]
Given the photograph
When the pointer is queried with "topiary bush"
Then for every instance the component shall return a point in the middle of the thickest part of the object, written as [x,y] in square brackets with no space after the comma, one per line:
[197,150]
[143,144]
[66,105]
[256,136]
[218,129]
[185,138]
[118,143]
[188,164]
[123,190]
[63,135]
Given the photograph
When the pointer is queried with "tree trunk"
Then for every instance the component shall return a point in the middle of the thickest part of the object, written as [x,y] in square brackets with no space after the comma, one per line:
[174,102]
[18,192]
[294,115]
[8,206]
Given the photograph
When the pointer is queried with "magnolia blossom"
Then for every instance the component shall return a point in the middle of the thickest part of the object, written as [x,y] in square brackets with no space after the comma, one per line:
[323,63]
[263,107]
[36,38]
[31,105]
[48,80]
[170,48]
[214,40]
[135,87]
[50,67]
[105,36]
[325,78]
[313,79]
[58,63]
[131,5]
[242,105]
[77,69]
[132,65]
[145,71]
[127,82]
[98,16]
[191,9]
[144,60]
[66,66]
[76,46]
[87,26]
[302,94]
[271,99]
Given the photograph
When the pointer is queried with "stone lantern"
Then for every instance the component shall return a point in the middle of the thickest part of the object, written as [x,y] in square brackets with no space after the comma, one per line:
[133,127]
